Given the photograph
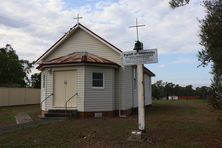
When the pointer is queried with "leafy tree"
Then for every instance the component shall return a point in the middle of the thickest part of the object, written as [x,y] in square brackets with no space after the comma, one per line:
[211,40]
[13,72]
[216,94]
[158,89]
[178,3]
[203,92]
[189,90]
[169,89]
[36,80]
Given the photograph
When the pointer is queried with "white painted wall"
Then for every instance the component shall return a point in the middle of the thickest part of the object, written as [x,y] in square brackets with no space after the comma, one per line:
[81,41]
[80,70]
[126,87]
[99,99]
[115,88]
[148,89]
[43,92]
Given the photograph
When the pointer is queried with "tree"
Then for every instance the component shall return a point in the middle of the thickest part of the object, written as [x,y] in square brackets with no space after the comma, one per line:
[203,92]
[211,40]
[169,89]
[36,80]
[162,89]
[216,91]
[178,3]
[158,89]
[13,72]
[189,90]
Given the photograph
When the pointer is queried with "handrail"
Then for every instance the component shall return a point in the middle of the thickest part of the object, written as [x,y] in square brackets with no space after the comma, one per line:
[45,100]
[76,94]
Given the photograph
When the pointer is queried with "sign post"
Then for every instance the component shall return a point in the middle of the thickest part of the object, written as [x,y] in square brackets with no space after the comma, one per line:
[141,100]
[139,57]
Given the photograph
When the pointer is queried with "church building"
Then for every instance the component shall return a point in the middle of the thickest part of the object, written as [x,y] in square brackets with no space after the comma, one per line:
[83,74]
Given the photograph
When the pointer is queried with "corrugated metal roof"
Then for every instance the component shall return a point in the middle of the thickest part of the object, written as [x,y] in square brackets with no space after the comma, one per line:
[78,57]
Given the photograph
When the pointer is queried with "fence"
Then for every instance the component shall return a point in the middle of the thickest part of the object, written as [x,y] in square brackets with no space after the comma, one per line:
[19,96]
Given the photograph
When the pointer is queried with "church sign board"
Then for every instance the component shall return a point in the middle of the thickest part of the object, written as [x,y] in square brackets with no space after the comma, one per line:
[141,57]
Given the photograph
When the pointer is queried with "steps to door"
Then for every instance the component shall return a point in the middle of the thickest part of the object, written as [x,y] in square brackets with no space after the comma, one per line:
[62,113]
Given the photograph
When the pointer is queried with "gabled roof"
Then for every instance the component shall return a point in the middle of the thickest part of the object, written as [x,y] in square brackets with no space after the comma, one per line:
[70,32]
[77,58]
[147,71]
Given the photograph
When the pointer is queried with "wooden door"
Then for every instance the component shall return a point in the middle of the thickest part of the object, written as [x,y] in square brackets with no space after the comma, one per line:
[71,88]
[64,88]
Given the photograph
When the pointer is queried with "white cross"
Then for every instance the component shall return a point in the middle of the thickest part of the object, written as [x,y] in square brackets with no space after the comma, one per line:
[78,18]
[137,26]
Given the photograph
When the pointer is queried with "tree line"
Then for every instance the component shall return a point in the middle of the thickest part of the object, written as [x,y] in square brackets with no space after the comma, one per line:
[15,72]
[162,89]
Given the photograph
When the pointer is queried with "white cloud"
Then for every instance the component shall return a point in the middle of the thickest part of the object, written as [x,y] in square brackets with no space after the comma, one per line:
[184,61]
[162,65]
[33,26]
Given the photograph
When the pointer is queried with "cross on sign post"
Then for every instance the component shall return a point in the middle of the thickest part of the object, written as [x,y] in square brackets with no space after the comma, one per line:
[78,18]
[137,26]
[140,86]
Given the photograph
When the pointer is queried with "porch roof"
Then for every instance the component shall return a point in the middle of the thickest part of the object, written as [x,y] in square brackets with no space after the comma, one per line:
[77,57]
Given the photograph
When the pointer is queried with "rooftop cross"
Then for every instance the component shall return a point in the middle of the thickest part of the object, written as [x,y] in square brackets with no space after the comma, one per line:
[137,26]
[78,18]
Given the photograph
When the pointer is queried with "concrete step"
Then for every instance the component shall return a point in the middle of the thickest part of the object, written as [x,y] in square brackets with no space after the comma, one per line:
[62,113]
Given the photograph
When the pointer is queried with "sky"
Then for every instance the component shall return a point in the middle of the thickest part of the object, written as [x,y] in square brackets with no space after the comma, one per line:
[31,27]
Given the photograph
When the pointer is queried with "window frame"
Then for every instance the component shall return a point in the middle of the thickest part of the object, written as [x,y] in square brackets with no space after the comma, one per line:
[43,81]
[103,79]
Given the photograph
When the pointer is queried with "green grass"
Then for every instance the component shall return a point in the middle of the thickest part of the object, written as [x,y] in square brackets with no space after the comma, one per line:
[7,114]
[169,124]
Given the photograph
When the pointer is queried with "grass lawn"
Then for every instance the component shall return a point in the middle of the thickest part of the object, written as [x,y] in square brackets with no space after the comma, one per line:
[7,114]
[170,124]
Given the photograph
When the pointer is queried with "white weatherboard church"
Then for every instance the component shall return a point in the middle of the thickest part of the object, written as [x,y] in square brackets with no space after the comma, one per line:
[84,73]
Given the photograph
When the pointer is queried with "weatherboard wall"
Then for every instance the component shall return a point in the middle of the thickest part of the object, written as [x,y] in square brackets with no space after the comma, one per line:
[99,99]
[81,41]
[48,89]
[49,83]
[126,87]
[147,89]
[43,91]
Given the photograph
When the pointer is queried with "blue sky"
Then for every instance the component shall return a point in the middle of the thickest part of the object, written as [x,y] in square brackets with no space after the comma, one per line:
[31,27]
[182,69]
